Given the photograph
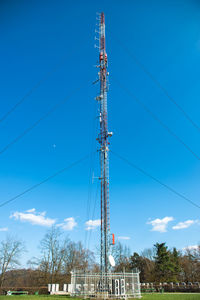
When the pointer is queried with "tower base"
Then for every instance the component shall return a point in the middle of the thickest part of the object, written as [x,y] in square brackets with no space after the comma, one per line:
[106,285]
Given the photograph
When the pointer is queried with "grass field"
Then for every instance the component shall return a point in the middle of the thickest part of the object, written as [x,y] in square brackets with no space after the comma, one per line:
[144,297]
[171,297]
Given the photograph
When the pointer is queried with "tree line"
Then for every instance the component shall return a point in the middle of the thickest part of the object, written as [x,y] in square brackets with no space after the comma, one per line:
[160,264]
[59,256]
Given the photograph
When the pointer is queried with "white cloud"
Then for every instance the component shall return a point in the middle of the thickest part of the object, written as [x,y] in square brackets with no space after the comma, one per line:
[31,216]
[3,229]
[193,247]
[32,210]
[124,238]
[160,225]
[92,224]
[185,224]
[69,224]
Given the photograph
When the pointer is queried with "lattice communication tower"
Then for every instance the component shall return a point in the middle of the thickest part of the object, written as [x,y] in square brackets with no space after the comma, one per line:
[103,137]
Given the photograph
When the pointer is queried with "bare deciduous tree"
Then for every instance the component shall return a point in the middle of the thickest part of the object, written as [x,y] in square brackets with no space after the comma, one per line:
[76,257]
[60,256]
[53,253]
[121,255]
[148,253]
[10,252]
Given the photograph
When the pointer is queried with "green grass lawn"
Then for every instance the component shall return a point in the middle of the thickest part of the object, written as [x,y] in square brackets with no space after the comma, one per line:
[144,297]
[171,297]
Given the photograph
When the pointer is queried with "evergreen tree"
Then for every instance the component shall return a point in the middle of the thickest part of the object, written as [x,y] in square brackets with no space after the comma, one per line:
[136,262]
[164,267]
[175,259]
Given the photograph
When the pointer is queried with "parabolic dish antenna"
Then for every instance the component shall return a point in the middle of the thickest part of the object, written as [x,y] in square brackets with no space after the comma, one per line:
[111,260]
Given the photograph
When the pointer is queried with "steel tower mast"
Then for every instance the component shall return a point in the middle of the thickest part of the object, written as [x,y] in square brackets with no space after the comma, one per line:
[104,149]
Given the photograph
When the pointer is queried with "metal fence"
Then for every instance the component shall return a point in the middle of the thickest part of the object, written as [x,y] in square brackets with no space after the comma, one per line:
[107,285]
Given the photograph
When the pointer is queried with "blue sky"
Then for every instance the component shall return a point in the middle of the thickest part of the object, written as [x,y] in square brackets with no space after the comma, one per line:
[36,37]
